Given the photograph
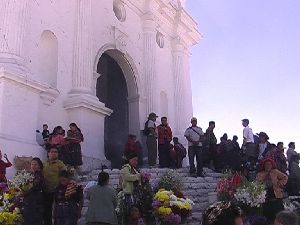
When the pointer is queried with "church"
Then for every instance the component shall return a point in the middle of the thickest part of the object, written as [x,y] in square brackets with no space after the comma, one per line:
[103,64]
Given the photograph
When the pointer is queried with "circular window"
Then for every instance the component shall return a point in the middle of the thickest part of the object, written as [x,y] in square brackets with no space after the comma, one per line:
[160,39]
[119,11]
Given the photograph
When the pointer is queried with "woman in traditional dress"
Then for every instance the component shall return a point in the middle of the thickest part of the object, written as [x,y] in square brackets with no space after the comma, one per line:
[33,199]
[129,181]
[73,155]
[275,182]
[57,140]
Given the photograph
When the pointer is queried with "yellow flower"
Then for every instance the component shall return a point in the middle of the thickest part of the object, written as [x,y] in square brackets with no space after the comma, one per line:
[8,196]
[9,218]
[163,195]
[164,211]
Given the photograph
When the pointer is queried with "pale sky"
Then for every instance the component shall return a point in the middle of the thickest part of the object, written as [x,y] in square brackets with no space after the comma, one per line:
[248,66]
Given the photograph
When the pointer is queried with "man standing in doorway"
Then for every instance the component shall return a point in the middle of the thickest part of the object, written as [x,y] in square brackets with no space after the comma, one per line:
[248,141]
[194,135]
[151,132]
[164,139]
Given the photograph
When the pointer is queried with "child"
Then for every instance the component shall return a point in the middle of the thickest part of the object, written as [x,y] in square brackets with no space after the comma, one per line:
[45,132]
[3,166]
[68,201]
[180,152]
[132,146]
[135,217]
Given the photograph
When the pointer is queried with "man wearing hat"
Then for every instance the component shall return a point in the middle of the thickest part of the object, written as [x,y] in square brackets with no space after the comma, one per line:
[264,146]
[195,136]
[248,141]
[151,133]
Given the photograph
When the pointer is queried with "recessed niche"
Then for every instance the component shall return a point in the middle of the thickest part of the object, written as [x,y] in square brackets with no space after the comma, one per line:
[160,39]
[119,11]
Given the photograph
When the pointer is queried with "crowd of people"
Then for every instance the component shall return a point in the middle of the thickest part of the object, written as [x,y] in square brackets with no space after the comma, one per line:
[56,198]
[69,148]
[257,158]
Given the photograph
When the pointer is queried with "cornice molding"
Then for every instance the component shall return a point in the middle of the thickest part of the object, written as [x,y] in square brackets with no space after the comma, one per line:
[88,102]
[171,19]
[22,80]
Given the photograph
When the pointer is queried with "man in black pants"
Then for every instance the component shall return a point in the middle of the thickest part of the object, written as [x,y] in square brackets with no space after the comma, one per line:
[195,135]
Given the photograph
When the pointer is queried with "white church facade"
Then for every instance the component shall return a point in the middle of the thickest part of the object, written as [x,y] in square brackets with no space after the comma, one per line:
[103,64]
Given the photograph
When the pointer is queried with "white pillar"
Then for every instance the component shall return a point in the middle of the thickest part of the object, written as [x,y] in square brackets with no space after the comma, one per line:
[82,105]
[82,79]
[12,28]
[149,62]
[181,96]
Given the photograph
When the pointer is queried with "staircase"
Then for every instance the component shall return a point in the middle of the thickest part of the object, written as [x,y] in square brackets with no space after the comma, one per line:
[200,190]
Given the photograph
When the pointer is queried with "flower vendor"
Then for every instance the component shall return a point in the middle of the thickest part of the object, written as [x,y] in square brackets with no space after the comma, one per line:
[102,203]
[33,198]
[129,181]
[275,182]
[68,201]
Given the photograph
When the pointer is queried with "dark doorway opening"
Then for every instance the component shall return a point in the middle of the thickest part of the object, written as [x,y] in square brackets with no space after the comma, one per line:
[112,90]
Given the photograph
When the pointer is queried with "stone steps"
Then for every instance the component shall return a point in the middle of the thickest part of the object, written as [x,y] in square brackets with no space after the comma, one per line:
[198,189]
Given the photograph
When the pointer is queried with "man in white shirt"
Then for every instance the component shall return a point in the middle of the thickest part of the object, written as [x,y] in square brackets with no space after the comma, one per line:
[195,136]
[248,141]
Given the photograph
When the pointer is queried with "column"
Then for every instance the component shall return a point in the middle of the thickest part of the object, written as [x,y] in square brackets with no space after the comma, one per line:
[180,97]
[149,62]
[82,105]
[12,29]
[82,79]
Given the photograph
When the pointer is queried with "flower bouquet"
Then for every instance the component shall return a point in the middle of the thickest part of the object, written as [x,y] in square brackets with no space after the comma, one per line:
[171,209]
[227,186]
[9,211]
[170,180]
[251,196]
[22,181]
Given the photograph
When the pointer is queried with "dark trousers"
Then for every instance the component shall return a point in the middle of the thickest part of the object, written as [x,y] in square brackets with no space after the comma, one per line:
[152,150]
[271,208]
[195,151]
[164,155]
[66,213]
[48,198]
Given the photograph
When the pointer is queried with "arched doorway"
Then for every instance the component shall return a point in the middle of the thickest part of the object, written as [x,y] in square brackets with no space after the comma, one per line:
[116,87]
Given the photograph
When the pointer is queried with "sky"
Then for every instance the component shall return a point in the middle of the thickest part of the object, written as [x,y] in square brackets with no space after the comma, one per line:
[247,65]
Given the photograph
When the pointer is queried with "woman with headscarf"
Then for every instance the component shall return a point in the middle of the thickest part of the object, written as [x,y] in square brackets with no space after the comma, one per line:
[275,182]
[73,155]
[222,213]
